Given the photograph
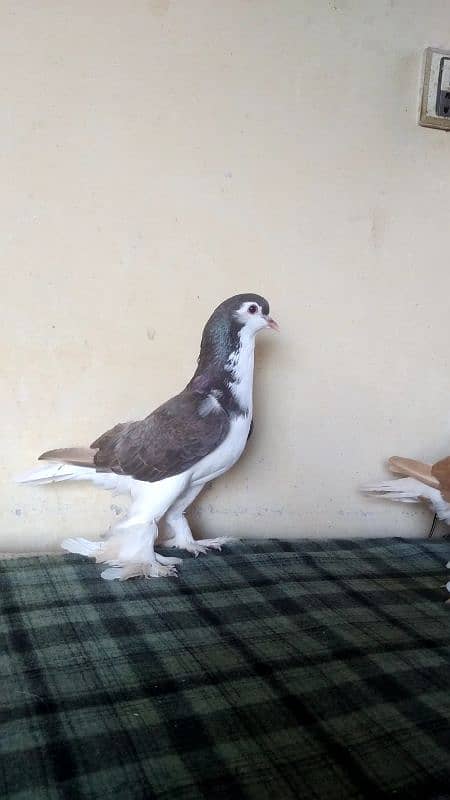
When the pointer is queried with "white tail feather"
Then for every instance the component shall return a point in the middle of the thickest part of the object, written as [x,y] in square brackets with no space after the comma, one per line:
[403,490]
[50,473]
[55,471]
[410,490]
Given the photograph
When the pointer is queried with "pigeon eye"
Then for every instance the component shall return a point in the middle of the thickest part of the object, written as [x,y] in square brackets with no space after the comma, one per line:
[252,309]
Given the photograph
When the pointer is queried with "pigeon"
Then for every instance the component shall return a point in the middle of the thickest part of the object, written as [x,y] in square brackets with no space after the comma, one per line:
[428,483]
[164,460]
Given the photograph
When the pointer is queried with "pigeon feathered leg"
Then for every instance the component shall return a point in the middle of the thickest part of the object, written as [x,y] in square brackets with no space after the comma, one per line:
[178,527]
[130,549]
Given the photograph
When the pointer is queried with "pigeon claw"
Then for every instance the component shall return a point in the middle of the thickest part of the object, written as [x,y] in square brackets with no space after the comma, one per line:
[202,546]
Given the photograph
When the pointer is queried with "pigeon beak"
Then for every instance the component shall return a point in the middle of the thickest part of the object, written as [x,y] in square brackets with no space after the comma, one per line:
[272,324]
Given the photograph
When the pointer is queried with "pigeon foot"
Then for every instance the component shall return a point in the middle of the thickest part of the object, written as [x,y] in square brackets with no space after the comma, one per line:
[200,546]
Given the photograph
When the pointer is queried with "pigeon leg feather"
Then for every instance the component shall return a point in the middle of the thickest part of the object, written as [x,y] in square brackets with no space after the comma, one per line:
[180,532]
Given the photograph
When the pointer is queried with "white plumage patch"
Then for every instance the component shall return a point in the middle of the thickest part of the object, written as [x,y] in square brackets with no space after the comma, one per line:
[224,456]
[54,472]
[240,365]
[209,405]
[411,490]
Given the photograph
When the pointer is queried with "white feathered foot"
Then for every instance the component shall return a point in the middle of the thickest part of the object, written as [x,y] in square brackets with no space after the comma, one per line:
[129,553]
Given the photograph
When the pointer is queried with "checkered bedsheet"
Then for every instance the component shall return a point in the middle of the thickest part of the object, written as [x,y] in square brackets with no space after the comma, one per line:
[305,669]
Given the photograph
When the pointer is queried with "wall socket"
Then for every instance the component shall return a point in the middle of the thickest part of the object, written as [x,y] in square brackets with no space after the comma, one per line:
[435,106]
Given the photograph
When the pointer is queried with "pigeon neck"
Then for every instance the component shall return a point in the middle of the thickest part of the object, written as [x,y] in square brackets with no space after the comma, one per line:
[239,366]
[226,364]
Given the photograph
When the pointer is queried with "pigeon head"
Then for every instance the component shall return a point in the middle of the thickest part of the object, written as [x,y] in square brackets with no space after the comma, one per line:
[231,328]
[249,311]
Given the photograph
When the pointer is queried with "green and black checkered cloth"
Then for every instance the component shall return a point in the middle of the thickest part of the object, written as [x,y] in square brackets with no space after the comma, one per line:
[306,669]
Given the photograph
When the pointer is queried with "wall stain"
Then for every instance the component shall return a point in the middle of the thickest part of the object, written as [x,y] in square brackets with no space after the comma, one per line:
[377,228]
[159,7]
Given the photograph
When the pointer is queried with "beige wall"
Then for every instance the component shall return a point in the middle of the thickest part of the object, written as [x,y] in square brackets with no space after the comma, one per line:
[159,156]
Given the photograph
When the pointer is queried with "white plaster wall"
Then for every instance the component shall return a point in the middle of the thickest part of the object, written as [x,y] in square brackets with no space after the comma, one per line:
[159,156]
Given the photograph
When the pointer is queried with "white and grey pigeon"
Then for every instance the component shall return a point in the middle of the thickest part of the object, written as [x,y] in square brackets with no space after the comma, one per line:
[164,460]
[419,483]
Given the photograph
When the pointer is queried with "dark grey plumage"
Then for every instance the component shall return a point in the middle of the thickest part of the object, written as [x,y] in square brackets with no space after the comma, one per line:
[169,441]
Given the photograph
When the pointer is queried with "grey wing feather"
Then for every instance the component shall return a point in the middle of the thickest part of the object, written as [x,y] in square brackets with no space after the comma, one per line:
[167,442]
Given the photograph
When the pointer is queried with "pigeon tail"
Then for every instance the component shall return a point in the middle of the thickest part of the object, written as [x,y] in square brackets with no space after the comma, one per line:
[78,456]
[404,490]
[411,490]
[55,472]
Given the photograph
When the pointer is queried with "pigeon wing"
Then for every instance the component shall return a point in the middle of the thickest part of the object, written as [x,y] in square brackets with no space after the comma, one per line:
[169,441]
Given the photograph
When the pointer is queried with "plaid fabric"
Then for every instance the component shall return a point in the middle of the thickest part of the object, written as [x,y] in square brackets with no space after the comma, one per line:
[306,669]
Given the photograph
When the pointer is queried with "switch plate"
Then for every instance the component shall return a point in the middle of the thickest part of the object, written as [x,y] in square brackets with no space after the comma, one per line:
[435,106]
[443,94]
